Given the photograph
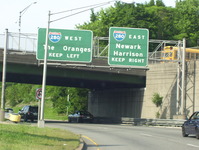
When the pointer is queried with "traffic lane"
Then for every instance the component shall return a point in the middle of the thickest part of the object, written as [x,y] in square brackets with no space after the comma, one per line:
[110,137]
[141,139]
[119,137]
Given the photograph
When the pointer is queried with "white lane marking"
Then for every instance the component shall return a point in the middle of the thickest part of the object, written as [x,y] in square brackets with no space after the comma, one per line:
[146,134]
[193,145]
[103,128]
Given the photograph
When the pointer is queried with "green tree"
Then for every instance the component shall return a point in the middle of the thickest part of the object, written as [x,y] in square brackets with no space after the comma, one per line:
[151,3]
[158,19]
[164,23]
[17,93]
[20,93]
[93,16]
[162,26]
[187,21]
[160,3]
[78,98]
[58,95]
[12,96]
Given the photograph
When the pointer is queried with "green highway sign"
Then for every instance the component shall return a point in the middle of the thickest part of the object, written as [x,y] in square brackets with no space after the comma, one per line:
[66,45]
[128,46]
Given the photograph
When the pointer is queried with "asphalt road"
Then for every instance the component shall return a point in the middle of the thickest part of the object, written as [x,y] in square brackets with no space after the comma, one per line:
[127,137]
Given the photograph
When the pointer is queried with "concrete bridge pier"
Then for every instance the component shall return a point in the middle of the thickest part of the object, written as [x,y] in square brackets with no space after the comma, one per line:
[113,104]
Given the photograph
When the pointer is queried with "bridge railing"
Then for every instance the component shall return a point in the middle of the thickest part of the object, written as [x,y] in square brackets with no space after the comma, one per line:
[23,42]
[27,42]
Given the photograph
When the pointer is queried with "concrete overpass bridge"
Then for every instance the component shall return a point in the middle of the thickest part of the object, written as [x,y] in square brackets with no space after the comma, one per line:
[25,68]
[96,76]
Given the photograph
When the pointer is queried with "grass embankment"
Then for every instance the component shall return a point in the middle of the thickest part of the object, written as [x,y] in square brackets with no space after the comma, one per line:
[16,136]
[49,111]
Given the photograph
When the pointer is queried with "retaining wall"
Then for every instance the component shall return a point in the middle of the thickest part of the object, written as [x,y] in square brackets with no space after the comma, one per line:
[137,103]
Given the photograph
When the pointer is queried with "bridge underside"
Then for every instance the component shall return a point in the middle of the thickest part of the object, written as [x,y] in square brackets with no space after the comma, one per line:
[57,76]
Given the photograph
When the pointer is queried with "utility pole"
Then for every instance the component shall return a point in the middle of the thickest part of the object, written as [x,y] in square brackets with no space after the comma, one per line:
[181,80]
[178,97]
[2,114]
[20,15]
[41,122]
[183,96]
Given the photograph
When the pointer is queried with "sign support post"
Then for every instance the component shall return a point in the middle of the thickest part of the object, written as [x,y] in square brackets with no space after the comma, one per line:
[62,45]
[41,122]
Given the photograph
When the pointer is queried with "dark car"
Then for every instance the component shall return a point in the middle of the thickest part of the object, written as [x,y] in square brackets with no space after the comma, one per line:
[80,116]
[29,113]
[191,126]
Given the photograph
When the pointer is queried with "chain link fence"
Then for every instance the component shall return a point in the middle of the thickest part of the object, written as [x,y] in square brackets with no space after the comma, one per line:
[26,42]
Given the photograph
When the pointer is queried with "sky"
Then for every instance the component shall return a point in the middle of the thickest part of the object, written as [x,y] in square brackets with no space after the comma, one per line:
[35,16]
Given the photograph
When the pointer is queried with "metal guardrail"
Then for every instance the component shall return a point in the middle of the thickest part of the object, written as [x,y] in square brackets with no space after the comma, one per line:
[153,122]
[141,121]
